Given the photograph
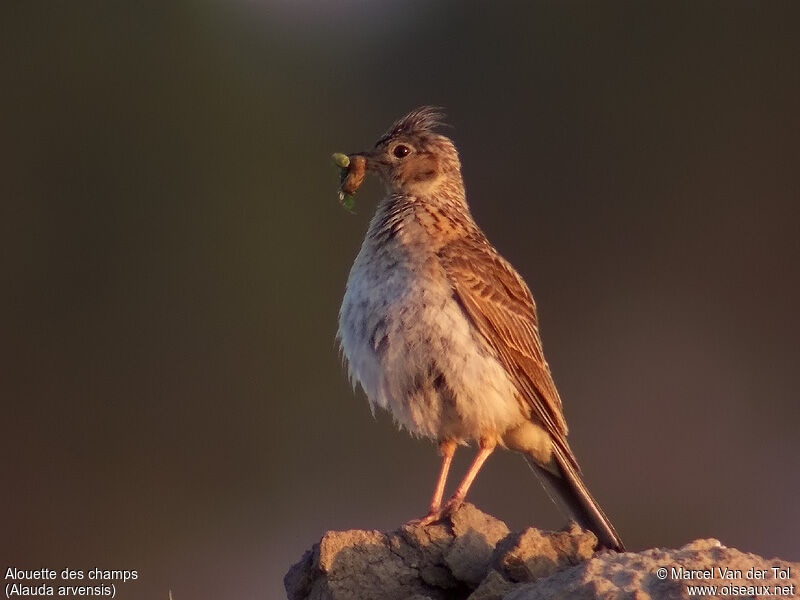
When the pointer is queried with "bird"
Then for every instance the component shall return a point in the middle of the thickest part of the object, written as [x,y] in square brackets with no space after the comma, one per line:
[440,330]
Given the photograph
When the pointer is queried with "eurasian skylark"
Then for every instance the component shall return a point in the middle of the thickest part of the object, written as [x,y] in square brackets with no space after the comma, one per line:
[440,330]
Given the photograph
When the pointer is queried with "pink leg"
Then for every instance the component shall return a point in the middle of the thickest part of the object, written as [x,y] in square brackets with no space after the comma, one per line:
[457,499]
[448,449]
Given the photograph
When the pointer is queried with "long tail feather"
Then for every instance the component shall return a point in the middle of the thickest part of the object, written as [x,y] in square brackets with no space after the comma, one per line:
[565,486]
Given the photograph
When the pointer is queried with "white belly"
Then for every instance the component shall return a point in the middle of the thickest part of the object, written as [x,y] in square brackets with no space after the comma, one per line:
[412,349]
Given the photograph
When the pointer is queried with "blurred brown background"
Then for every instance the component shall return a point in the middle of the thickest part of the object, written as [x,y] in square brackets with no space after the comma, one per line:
[174,258]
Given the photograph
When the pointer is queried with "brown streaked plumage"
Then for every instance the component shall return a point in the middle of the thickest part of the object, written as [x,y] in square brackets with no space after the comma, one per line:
[440,330]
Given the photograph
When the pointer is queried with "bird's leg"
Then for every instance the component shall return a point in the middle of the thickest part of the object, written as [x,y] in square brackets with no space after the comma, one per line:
[457,499]
[447,449]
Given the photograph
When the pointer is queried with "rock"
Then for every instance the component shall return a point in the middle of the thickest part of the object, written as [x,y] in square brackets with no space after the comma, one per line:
[475,536]
[629,575]
[473,556]
[493,587]
[535,554]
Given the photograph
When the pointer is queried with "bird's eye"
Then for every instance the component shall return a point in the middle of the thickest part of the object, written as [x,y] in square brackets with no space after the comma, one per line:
[401,150]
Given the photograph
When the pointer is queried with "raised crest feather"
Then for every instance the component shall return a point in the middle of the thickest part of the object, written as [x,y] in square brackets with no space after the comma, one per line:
[420,120]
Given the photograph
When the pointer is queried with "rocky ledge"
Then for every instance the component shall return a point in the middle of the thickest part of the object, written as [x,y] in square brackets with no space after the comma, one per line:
[474,556]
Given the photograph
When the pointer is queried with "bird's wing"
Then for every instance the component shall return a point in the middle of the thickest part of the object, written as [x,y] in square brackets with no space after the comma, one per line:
[501,307]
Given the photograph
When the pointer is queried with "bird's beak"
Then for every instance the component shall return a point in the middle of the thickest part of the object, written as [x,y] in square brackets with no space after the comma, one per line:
[369,157]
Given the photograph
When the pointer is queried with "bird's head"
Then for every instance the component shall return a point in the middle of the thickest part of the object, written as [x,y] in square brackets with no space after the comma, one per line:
[412,159]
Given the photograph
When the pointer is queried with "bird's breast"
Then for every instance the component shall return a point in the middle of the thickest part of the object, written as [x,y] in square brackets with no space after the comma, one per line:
[413,350]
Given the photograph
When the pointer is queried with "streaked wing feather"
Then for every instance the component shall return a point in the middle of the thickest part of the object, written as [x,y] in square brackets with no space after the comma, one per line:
[501,307]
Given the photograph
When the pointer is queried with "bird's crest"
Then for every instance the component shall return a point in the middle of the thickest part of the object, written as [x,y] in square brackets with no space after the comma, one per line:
[420,120]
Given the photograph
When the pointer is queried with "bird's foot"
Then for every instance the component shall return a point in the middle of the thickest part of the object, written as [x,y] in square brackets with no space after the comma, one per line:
[438,513]
[452,505]
[431,517]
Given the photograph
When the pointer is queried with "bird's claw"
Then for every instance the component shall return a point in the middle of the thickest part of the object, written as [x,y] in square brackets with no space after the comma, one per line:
[426,520]
[438,514]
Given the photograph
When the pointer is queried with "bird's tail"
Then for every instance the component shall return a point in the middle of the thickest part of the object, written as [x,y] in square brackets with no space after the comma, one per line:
[566,488]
